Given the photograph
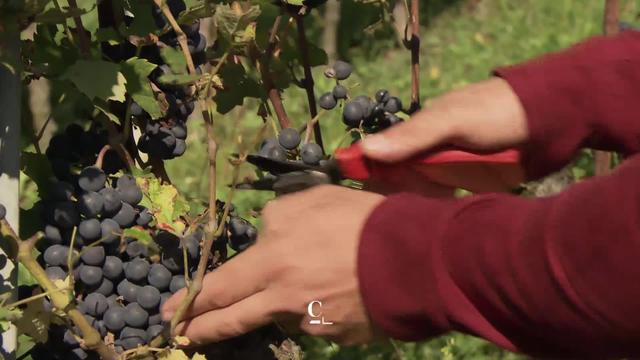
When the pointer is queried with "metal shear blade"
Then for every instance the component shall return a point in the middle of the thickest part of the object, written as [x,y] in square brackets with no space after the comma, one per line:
[278,167]
[289,182]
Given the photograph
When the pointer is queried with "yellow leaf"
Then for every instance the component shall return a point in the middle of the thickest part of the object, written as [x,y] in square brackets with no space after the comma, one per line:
[182,340]
[172,354]
[479,38]
[434,73]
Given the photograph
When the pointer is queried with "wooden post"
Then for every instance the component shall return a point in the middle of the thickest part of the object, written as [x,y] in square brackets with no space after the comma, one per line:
[9,167]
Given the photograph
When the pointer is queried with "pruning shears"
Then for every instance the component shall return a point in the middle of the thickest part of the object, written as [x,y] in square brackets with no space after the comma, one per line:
[453,168]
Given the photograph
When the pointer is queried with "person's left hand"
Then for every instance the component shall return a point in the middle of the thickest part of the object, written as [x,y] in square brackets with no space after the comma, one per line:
[306,252]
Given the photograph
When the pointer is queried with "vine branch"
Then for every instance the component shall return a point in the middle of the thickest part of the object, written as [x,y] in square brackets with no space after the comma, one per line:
[308,83]
[207,113]
[60,299]
[182,38]
[262,63]
[414,46]
[602,159]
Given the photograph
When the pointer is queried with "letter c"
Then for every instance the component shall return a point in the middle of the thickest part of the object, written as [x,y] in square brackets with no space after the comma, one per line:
[310,308]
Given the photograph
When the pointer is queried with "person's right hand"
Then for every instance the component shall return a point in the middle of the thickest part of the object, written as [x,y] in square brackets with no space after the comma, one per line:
[482,116]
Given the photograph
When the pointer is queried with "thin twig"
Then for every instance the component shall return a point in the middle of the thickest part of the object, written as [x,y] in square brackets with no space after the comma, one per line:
[414,47]
[182,38]
[262,63]
[303,45]
[60,300]
[38,136]
[602,159]
[100,158]
[309,125]
[32,298]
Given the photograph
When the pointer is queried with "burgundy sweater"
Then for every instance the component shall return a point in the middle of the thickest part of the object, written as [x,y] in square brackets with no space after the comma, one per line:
[554,277]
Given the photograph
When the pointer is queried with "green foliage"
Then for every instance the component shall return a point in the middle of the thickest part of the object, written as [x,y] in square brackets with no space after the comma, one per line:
[98,79]
[164,203]
[135,71]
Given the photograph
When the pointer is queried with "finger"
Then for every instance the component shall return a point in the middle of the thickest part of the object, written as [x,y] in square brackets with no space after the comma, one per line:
[406,139]
[235,320]
[233,281]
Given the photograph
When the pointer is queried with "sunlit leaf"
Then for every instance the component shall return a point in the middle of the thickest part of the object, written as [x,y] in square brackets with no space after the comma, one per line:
[98,79]
[136,71]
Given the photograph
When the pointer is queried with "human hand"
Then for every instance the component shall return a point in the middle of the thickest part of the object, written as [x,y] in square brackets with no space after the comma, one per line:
[306,251]
[482,116]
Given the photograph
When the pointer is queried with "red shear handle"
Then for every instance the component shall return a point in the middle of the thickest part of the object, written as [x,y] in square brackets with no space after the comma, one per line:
[477,172]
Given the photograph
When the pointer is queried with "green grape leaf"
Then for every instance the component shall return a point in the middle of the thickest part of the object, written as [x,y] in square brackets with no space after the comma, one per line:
[196,10]
[290,53]
[136,71]
[143,23]
[55,16]
[7,316]
[139,234]
[237,85]
[47,55]
[30,221]
[108,35]
[37,168]
[230,19]
[68,103]
[179,79]
[98,79]
[164,203]
[175,59]
[103,107]
[25,277]
[35,321]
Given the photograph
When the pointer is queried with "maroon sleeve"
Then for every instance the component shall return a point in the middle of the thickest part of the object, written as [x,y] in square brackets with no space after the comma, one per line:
[553,276]
[587,96]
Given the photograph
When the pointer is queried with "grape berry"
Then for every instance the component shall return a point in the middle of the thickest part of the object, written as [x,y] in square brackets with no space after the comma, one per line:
[367,114]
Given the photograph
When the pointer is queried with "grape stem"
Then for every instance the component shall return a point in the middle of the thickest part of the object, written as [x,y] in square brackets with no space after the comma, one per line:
[413,44]
[40,134]
[308,83]
[182,38]
[602,159]
[309,125]
[100,158]
[60,299]
[32,298]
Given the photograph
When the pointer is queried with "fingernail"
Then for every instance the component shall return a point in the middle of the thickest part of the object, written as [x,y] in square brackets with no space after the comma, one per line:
[377,144]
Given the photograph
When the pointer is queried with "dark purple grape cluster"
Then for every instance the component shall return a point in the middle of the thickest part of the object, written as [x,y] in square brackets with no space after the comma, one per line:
[76,148]
[164,138]
[287,147]
[119,282]
[370,115]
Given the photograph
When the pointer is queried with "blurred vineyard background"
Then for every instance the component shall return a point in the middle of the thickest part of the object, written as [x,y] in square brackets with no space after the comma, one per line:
[462,41]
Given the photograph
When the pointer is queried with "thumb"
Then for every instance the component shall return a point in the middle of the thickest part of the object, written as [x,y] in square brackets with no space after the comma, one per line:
[401,141]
